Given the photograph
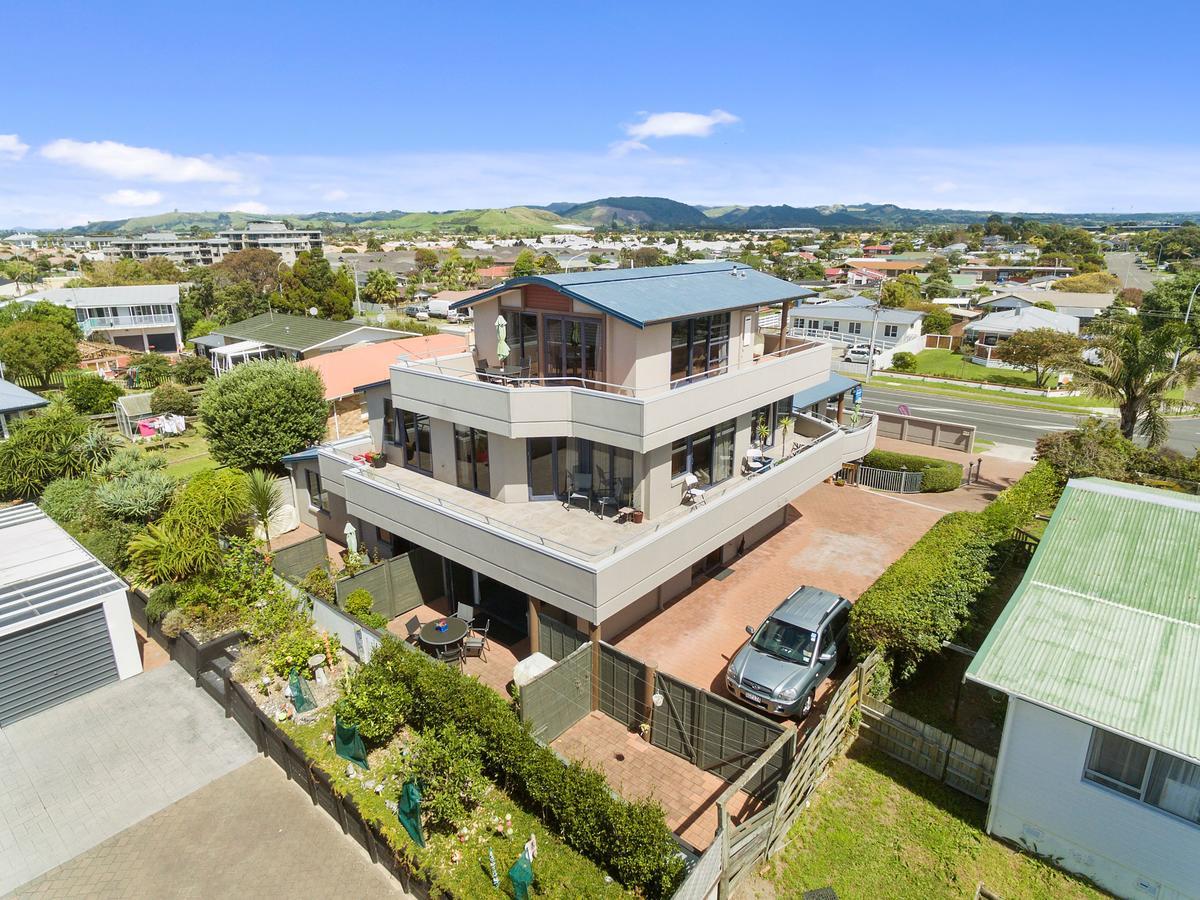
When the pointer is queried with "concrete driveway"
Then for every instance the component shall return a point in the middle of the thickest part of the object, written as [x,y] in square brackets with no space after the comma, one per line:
[74,775]
[837,538]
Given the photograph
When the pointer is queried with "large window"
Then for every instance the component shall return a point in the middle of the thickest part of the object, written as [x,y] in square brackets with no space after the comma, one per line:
[554,460]
[699,347]
[1150,776]
[522,337]
[572,350]
[706,454]
[471,459]
[391,425]
[418,443]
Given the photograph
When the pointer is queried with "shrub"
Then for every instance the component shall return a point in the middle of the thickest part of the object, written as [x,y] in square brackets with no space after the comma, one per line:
[173,623]
[170,397]
[107,541]
[192,370]
[446,764]
[375,700]
[161,601]
[938,475]
[150,369]
[56,443]
[904,361]
[68,500]
[292,649]
[91,394]
[319,583]
[360,604]
[140,497]
[1095,448]
[262,411]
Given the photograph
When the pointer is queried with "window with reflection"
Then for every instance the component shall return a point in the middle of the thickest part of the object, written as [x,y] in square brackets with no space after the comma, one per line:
[418,442]
[699,347]
[706,454]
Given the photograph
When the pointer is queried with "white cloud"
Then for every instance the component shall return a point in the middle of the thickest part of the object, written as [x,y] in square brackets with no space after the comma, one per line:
[678,124]
[249,206]
[11,147]
[131,197]
[124,161]
[335,195]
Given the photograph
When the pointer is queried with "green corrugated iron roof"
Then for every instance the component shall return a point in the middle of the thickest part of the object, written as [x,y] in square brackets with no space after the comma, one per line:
[1105,626]
[659,293]
[297,333]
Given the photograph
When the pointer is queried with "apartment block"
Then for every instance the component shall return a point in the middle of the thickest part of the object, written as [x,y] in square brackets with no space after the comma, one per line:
[639,431]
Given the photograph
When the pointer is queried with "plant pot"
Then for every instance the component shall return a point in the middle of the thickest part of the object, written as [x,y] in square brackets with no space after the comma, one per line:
[637,516]
[379,462]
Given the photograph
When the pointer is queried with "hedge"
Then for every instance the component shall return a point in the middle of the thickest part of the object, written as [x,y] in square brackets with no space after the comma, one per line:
[927,595]
[938,475]
[629,839]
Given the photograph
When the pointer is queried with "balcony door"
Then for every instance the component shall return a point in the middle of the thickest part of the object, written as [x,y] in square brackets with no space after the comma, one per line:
[572,351]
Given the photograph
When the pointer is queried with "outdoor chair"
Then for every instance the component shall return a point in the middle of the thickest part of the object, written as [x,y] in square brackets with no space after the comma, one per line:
[579,487]
[692,494]
[611,498]
[481,370]
[526,370]
[466,612]
[413,627]
[452,657]
[482,633]
[476,643]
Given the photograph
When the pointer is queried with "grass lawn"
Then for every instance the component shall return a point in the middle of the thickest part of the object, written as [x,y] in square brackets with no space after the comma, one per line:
[1078,405]
[186,454]
[876,828]
[951,364]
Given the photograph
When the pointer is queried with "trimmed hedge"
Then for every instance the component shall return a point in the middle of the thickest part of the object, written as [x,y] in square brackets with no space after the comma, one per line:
[938,475]
[927,595]
[629,839]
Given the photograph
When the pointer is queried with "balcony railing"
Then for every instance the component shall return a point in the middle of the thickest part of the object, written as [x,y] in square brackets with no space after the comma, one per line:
[843,337]
[95,324]
[463,366]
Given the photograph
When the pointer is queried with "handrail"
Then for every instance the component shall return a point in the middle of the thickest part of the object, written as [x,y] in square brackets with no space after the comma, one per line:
[594,384]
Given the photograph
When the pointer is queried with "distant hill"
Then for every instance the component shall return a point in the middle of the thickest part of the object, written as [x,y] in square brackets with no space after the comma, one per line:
[646,212]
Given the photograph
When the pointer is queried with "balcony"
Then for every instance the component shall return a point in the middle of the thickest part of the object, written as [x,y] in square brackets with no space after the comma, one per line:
[588,565]
[637,418]
[106,322]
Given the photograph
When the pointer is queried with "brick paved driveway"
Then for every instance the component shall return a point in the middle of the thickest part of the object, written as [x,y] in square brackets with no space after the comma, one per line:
[74,775]
[250,833]
[838,538]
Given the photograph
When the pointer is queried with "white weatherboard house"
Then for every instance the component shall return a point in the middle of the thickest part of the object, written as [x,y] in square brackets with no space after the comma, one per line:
[851,320]
[142,317]
[65,627]
[995,328]
[1099,654]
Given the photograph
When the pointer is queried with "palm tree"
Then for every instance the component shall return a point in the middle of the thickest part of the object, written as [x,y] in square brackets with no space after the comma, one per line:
[1137,370]
[266,500]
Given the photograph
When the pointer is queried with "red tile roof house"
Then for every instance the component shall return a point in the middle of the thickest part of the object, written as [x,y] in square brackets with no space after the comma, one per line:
[878,249]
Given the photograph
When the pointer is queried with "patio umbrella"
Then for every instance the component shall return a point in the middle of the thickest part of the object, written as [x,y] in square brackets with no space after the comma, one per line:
[502,349]
[351,538]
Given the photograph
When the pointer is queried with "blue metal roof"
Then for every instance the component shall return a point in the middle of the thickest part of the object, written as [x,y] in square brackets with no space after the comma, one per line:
[14,398]
[836,384]
[661,293]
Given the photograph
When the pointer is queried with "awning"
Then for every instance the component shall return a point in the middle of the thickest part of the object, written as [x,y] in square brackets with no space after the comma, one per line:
[837,384]
[209,340]
[239,348]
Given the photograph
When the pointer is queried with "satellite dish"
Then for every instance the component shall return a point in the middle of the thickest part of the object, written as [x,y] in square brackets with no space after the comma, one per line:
[312,310]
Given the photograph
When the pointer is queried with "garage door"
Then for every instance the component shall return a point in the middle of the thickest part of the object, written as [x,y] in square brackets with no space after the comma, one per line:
[54,661]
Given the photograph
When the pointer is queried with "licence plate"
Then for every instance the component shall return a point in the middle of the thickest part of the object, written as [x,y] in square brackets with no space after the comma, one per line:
[753,698]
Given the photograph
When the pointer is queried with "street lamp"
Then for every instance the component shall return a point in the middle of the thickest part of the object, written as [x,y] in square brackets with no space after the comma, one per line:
[1186,316]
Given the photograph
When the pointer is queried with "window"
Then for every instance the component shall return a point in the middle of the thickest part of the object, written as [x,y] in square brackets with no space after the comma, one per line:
[813,325]
[891,331]
[699,347]
[391,429]
[552,459]
[318,497]
[854,327]
[522,337]
[471,459]
[706,454]
[418,445]
[1152,777]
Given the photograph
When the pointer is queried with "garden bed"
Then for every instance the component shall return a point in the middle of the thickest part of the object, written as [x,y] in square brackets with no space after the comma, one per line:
[938,475]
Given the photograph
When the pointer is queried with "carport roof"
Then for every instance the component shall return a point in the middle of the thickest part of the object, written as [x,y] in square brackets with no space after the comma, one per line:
[43,569]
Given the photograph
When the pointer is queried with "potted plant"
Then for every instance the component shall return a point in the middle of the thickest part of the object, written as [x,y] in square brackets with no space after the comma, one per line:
[763,430]
[376,458]
[785,423]
[637,516]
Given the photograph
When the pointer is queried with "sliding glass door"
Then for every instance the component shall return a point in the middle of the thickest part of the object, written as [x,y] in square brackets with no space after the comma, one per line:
[522,338]
[553,460]
[418,443]
[471,459]
[572,350]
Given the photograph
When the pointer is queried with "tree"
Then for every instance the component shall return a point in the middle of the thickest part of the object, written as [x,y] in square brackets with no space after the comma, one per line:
[1167,302]
[900,292]
[524,265]
[1038,350]
[262,411]
[55,443]
[938,286]
[192,370]
[547,264]
[381,287]
[266,500]
[937,321]
[374,245]
[425,258]
[312,282]
[259,268]
[38,349]
[172,398]
[40,311]
[1131,297]
[150,369]
[1089,283]
[91,394]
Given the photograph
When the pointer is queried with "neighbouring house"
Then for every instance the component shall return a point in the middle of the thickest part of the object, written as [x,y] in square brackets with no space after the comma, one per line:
[993,329]
[1014,272]
[890,268]
[103,359]
[605,465]
[23,240]
[345,372]
[864,277]
[499,271]
[140,317]
[271,335]
[1082,306]
[850,321]
[65,627]
[15,402]
[877,249]
[1099,654]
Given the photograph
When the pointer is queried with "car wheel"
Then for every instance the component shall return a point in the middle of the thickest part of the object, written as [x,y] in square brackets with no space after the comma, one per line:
[807,707]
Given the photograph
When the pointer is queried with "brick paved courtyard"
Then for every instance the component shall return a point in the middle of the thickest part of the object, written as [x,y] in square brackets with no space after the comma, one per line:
[251,833]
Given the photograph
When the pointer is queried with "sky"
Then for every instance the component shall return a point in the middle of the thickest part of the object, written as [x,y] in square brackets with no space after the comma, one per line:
[131,108]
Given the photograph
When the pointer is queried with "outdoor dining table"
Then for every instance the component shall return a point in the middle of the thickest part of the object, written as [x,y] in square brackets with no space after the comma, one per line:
[503,373]
[456,630]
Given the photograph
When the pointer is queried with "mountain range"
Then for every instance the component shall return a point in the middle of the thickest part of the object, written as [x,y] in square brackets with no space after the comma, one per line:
[651,213]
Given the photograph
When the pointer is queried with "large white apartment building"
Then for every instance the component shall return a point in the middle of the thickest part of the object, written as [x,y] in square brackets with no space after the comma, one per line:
[185,250]
[509,486]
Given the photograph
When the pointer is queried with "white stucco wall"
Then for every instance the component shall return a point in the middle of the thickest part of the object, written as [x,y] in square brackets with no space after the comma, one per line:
[1041,800]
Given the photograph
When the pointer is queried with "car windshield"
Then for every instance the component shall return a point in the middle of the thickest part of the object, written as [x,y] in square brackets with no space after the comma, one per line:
[785,641]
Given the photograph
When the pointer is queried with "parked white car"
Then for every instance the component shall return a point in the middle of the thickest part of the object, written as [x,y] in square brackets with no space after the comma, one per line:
[860,353]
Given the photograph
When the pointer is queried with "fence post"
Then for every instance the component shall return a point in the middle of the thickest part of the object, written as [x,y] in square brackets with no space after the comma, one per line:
[535,638]
[595,638]
[649,676]
[723,826]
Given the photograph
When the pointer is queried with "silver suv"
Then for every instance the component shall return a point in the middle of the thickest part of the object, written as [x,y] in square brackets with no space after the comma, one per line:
[788,656]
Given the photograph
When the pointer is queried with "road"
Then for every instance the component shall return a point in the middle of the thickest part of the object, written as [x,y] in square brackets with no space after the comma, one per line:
[1016,425]
[1123,266]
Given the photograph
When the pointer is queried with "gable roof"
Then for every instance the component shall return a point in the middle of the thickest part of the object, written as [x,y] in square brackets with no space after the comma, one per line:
[14,398]
[1105,626]
[1060,299]
[344,371]
[120,294]
[299,333]
[858,308]
[660,293]
[1010,321]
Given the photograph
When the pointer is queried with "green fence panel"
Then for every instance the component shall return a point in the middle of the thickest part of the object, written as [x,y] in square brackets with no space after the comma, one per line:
[558,640]
[673,727]
[622,686]
[296,561]
[404,571]
[375,580]
[559,697]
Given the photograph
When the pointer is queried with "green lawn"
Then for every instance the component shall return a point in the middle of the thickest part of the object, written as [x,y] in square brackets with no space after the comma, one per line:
[186,454]
[950,364]
[877,828]
[1078,405]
